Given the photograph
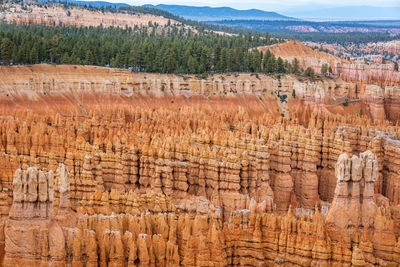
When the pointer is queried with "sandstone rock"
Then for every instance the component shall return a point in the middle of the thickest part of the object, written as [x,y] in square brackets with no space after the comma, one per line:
[188,180]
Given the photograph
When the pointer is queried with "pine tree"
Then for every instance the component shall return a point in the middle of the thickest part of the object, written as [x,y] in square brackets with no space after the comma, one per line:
[232,61]
[271,65]
[255,61]
[180,52]
[295,66]
[7,48]
[65,59]
[89,57]
[171,62]
[396,66]
[267,39]
[192,65]
[280,66]
[117,62]
[267,55]
[324,69]
[34,55]
[309,72]
[222,63]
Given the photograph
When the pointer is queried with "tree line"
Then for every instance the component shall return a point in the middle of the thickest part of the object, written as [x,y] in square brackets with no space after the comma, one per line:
[121,8]
[281,29]
[339,38]
[175,50]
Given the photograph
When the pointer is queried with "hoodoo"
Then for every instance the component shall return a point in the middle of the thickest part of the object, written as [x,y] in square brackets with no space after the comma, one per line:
[132,137]
[127,229]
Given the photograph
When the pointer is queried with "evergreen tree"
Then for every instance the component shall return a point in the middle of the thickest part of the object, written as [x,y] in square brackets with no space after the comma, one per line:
[117,61]
[256,61]
[295,66]
[396,66]
[192,65]
[65,59]
[280,66]
[7,48]
[222,62]
[89,57]
[267,55]
[271,65]
[267,39]
[176,51]
[324,69]
[34,55]
[171,61]
[309,72]
[232,61]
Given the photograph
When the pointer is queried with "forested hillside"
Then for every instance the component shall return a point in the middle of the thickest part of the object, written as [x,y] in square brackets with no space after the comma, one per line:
[219,13]
[121,8]
[288,26]
[175,50]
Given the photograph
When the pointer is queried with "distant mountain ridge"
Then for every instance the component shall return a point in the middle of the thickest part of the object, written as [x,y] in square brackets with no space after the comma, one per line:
[97,4]
[349,13]
[219,13]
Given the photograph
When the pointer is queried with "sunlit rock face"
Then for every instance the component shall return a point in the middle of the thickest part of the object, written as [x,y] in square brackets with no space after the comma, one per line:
[361,74]
[122,229]
[100,167]
[377,99]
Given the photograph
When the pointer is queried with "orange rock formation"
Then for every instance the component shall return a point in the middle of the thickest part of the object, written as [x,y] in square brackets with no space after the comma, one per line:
[326,95]
[100,167]
[150,231]
[363,74]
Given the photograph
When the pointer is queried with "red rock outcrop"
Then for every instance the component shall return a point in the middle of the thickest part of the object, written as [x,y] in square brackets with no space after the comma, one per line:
[192,178]
[326,96]
[32,237]
[362,74]
[149,230]
[353,205]
[306,56]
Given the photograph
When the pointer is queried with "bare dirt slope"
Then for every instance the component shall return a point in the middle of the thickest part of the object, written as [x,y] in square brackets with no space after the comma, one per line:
[56,15]
[307,56]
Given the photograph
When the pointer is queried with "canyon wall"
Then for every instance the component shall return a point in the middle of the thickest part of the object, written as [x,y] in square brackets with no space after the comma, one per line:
[148,230]
[48,78]
[107,167]
[362,74]
[326,95]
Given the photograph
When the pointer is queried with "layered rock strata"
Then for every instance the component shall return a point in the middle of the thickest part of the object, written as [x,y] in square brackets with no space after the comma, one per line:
[32,235]
[326,96]
[229,162]
[362,74]
[149,230]
[226,176]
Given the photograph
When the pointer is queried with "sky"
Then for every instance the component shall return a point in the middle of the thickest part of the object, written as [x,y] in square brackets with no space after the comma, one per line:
[268,5]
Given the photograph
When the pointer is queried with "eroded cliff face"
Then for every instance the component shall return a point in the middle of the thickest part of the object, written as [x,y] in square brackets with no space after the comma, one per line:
[361,74]
[65,78]
[149,230]
[119,171]
[364,74]
[326,96]
[306,56]
[56,15]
